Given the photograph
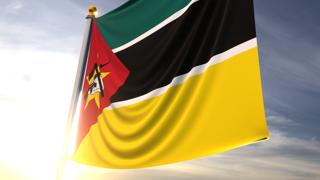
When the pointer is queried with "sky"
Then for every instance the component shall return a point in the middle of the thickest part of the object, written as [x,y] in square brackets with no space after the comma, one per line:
[40,44]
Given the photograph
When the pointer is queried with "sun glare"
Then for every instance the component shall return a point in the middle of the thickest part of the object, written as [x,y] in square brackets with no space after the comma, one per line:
[34,102]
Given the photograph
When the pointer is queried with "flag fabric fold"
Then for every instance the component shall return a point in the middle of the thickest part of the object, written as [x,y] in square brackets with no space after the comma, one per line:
[182,81]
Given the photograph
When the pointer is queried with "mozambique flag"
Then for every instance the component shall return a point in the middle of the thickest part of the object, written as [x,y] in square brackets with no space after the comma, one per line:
[168,81]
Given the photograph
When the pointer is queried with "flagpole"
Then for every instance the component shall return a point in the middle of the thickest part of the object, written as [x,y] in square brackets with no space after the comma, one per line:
[76,91]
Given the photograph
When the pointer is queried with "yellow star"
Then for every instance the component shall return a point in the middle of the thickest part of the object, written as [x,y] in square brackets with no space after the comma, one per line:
[96,94]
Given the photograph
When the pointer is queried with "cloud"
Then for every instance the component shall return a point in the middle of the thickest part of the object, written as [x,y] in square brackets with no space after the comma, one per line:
[14,6]
[290,65]
[34,25]
[45,25]
[276,120]
[48,34]
[39,46]
[282,157]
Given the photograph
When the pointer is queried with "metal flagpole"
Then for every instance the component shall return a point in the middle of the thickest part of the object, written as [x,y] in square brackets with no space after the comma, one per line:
[76,91]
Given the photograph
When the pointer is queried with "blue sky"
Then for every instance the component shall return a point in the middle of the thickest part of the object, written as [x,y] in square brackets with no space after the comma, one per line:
[44,37]
[289,39]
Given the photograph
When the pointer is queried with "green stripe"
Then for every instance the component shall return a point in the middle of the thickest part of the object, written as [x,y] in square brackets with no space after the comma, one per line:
[135,18]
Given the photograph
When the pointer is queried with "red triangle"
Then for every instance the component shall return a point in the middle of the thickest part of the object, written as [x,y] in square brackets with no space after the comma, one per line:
[100,54]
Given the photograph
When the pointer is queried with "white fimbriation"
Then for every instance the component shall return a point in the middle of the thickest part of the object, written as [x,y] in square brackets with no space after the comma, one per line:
[154,29]
[194,71]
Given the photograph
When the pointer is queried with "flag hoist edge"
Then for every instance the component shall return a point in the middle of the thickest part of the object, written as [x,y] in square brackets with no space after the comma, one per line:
[169,81]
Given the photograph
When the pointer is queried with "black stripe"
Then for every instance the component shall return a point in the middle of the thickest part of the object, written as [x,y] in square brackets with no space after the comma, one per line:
[209,27]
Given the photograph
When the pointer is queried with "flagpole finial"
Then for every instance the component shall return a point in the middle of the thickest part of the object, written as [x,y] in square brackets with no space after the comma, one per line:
[92,11]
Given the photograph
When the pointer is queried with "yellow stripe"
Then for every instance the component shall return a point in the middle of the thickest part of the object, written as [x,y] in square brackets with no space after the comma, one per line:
[215,111]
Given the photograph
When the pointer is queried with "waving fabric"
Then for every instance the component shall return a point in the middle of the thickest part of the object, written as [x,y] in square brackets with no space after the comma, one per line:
[189,85]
